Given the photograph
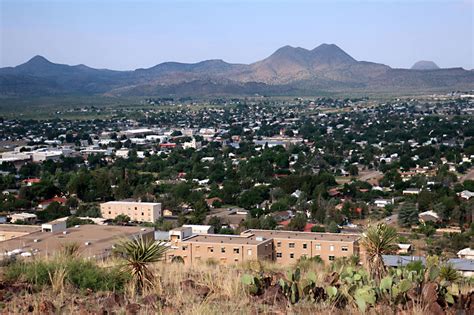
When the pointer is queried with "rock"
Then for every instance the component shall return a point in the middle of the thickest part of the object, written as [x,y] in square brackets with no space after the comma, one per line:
[152,300]
[112,302]
[47,307]
[132,309]
[273,296]
[202,291]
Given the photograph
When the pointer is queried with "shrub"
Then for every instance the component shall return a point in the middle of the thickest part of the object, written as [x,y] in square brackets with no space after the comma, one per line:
[80,273]
[318,228]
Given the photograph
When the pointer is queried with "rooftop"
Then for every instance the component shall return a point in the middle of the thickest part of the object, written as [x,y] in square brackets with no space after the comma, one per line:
[224,239]
[19,228]
[335,237]
[101,239]
[132,202]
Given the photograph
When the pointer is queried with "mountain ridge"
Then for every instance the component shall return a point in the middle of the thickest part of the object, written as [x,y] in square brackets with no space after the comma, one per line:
[324,68]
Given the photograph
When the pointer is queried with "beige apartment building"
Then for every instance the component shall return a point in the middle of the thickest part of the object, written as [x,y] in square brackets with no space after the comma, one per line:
[283,247]
[137,211]
[224,249]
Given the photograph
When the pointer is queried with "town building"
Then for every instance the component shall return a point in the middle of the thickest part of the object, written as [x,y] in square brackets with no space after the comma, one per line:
[466,253]
[29,218]
[283,247]
[136,210]
[95,241]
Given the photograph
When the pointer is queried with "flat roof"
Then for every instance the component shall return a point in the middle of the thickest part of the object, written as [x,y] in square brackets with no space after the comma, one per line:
[224,239]
[19,228]
[132,202]
[279,234]
[101,239]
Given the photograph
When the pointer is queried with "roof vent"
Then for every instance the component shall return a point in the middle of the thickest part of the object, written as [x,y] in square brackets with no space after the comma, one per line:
[87,243]
[36,240]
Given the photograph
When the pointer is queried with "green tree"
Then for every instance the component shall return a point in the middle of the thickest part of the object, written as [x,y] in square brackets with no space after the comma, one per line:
[408,215]
[333,228]
[298,222]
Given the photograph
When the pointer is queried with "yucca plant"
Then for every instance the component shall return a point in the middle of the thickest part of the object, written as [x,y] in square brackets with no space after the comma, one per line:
[378,240]
[139,253]
[448,273]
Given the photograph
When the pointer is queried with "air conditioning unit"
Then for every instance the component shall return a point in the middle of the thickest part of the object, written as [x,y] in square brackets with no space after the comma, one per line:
[87,243]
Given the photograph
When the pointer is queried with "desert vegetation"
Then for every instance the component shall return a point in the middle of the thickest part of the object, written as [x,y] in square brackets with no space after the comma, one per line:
[137,281]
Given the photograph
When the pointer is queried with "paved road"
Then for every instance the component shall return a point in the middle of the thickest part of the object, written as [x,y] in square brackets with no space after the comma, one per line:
[391,220]
[469,175]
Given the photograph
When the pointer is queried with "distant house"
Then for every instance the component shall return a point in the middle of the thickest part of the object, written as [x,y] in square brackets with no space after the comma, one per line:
[428,216]
[411,191]
[167,213]
[296,194]
[466,194]
[404,248]
[464,266]
[466,253]
[45,203]
[29,218]
[282,215]
[31,181]
[381,203]
[210,201]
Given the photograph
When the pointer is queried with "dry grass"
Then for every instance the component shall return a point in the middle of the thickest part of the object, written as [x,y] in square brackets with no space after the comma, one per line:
[226,296]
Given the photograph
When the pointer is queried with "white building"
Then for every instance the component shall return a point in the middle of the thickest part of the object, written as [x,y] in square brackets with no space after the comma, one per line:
[54,226]
[466,253]
[25,217]
[200,229]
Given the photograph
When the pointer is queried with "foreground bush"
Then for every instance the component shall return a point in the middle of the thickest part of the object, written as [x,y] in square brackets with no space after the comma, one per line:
[81,274]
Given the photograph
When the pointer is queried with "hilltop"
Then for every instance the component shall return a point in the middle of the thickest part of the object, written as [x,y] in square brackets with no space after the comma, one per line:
[424,65]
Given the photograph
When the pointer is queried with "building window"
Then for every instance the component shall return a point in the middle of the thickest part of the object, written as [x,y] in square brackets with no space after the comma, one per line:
[292,255]
[143,213]
[222,249]
[236,250]
[344,248]
[331,258]
[136,208]
[278,244]
[210,249]
[185,247]
[318,246]
[305,246]
[236,259]
[110,212]
[278,255]
[331,248]
[249,252]
[291,245]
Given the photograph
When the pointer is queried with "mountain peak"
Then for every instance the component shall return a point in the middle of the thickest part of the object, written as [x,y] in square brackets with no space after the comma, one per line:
[38,59]
[332,52]
[425,65]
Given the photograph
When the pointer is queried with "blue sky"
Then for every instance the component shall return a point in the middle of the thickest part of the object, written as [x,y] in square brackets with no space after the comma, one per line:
[134,34]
